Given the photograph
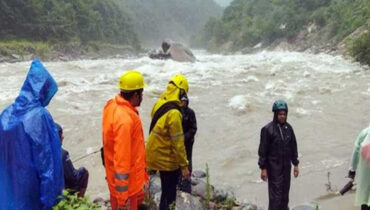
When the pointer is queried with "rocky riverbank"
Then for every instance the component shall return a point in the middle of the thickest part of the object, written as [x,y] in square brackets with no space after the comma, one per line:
[312,39]
[17,51]
[203,196]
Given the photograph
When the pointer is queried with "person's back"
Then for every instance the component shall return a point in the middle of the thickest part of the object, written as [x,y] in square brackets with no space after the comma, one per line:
[165,148]
[123,143]
[30,151]
[118,112]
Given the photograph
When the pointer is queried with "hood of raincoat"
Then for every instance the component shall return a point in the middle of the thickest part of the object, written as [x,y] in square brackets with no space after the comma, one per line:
[38,88]
[31,171]
[165,150]
[172,93]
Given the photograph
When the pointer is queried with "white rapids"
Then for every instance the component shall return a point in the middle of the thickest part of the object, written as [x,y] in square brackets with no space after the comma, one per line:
[232,95]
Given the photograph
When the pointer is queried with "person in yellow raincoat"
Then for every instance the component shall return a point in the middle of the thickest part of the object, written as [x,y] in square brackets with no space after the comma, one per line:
[360,166]
[165,150]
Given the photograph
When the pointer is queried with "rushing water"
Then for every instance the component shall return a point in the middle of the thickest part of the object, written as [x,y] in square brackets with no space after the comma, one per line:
[328,98]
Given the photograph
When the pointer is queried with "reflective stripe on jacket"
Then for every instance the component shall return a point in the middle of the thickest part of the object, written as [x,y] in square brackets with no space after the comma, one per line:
[124,149]
[165,148]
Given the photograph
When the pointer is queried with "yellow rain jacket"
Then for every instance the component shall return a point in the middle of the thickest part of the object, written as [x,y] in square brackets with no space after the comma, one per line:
[165,150]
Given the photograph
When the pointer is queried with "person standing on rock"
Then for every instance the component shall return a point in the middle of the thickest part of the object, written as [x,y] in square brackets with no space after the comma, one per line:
[123,144]
[165,148]
[277,152]
[31,170]
[360,167]
[189,125]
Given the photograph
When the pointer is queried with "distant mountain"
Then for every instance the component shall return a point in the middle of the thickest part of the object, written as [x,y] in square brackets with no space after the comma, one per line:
[156,20]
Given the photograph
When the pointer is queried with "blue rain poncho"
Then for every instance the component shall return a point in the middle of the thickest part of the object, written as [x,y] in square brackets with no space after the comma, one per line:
[361,164]
[31,174]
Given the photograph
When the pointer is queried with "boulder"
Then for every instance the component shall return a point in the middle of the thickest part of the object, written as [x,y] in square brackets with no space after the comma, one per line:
[180,53]
[186,201]
[199,174]
[201,189]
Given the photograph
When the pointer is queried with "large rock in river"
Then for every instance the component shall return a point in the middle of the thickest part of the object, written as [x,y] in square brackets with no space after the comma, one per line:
[181,53]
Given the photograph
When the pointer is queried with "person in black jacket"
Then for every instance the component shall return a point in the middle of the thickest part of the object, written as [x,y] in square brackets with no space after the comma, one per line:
[277,151]
[75,180]
[189,126]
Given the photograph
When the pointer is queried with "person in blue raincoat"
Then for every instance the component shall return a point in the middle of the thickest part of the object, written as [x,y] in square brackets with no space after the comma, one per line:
[31,170]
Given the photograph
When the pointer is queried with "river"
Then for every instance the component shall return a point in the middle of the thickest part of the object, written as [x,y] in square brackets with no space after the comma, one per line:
[232,96]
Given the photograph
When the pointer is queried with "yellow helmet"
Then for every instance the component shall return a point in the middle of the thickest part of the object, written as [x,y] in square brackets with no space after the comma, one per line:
[131,80]
[180,81]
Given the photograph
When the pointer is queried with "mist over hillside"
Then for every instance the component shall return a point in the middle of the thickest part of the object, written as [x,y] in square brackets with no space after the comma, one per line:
[223,3]
[156,20]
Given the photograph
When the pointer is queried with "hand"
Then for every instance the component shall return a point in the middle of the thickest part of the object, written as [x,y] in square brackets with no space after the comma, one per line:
[296,171]
[351,174]
[186,173]
[264,174]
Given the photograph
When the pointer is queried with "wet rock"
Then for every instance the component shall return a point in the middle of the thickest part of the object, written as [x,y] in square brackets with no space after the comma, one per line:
[64,58]
[17,57]
[99,201]
[201,189]
[104,204]
[195,181]
[304,207]
[199,174]
[154,184]
[186,201]
[28,57]
[220,195]
[212,206]
[181,53]
[251,207]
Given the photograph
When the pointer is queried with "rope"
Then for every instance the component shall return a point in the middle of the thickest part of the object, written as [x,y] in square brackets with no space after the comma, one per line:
[85,156]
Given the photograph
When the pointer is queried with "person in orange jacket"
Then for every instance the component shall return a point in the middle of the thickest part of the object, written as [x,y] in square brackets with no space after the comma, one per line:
[123,144]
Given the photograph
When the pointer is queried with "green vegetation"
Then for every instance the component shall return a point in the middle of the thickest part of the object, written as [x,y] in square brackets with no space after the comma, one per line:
[246,23]
[208,189]
[8,48]
[157,20]
[71,201]
[228,204]
[360,48]
[65,20]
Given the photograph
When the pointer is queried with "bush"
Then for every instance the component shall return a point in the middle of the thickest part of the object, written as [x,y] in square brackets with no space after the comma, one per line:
[71,201]
[247,22]
[360,48]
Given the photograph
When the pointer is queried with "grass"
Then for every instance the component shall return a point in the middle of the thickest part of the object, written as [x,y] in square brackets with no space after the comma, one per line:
[208,188]
[21,47]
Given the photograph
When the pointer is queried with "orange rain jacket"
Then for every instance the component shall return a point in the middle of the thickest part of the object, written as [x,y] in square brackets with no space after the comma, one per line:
[124,149]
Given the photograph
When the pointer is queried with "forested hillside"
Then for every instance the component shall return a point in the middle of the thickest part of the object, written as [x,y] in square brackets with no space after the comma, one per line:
[246,23]
[156,20]
[65,20]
